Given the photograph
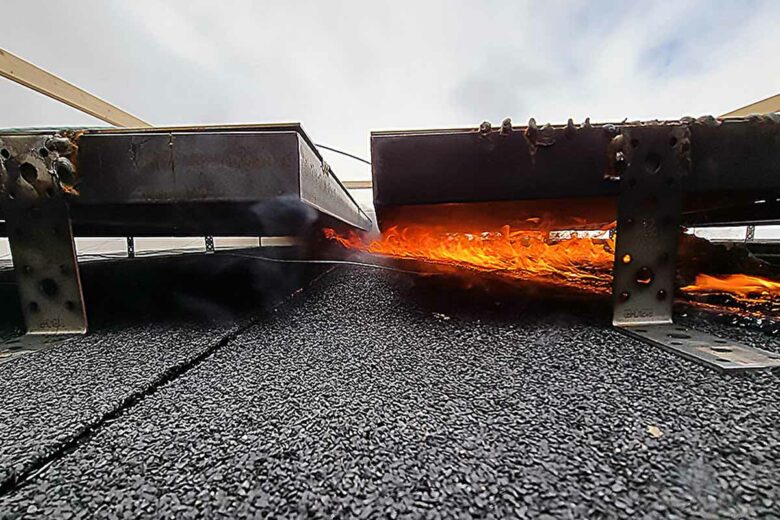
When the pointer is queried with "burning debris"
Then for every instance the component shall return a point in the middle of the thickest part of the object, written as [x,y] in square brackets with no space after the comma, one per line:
[578,260]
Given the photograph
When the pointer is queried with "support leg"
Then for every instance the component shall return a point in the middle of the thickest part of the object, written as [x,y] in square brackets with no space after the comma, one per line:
[40,235]
[648,230]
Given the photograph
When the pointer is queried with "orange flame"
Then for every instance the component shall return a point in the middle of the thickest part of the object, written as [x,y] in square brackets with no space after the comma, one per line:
[750,290]
[573,259]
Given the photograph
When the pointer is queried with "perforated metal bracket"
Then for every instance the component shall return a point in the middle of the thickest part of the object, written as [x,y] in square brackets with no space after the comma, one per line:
[651,166]
[32,172]
[648,224]
[720,354]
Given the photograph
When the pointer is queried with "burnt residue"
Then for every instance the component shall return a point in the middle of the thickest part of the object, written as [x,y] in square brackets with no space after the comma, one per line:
[135,150]
[536,136]
[610,129]
[64,170]
[617,156]
[619,147]
[571,129]
[506,126]
[708,121]
[771,117]
[70,152]
[681,142]
[63,153]
[61,145]
[39,167]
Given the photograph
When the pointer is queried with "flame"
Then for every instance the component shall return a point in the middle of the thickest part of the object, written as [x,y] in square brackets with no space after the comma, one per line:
[737,285]
[576,260]
[581,260]
[745,289]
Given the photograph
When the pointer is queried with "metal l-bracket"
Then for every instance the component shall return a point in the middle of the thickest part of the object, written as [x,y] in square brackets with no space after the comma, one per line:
[40,235]
[651,167]
[718,353]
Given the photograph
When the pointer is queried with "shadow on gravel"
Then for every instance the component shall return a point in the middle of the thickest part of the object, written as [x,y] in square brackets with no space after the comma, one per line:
[477,296]
[488,298]
[215,288]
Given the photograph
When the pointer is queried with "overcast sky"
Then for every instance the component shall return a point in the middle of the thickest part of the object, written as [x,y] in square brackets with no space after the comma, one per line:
[344,68]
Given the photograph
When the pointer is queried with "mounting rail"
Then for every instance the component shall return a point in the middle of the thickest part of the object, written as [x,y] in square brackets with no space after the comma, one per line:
[258,180]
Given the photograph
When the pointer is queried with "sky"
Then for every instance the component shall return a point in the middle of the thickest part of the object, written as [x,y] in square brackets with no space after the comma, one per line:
[345,68]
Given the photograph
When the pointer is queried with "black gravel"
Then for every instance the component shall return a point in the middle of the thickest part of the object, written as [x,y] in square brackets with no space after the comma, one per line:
[370,396]
[149,318]
[50,397]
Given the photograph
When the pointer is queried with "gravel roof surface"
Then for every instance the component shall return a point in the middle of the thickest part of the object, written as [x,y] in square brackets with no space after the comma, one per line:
[148,320]
[374,394]
[50,397]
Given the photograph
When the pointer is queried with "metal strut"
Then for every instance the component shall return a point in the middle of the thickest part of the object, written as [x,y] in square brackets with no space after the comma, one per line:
[32,171]
[652,166]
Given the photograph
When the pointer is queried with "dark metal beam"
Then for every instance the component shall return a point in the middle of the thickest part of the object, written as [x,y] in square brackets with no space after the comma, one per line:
[734,161]
[244,180]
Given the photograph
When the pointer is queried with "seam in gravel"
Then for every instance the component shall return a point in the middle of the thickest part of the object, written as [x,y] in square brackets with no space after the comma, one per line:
[172,373]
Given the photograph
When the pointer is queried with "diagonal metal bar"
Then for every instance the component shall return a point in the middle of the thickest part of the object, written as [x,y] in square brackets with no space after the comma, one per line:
[25,73]
[770,104]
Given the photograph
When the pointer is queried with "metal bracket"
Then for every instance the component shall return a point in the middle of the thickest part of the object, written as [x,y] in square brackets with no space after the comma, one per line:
[651,166]
[721,354]
[21,345]
[648,224]
[32,172]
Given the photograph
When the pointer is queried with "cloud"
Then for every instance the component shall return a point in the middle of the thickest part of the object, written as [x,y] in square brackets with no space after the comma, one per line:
[344,68]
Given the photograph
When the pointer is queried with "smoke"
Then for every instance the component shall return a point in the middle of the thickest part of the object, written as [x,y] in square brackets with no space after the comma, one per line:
[283,215]
[206,288]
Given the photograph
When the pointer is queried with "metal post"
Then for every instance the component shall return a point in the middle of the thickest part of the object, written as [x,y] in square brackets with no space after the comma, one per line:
[649,214]
[40,233]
